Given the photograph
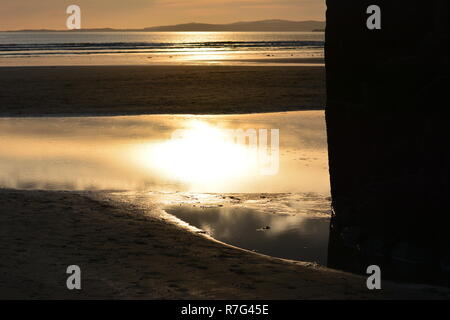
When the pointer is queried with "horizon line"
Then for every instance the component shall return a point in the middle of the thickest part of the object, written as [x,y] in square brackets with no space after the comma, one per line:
[163,26]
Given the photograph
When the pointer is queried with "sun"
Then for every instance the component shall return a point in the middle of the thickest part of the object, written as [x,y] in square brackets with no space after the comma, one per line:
[200,154]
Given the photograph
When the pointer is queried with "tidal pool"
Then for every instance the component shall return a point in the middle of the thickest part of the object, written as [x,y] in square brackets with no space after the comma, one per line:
[290,236]
[189,156]
[140,153]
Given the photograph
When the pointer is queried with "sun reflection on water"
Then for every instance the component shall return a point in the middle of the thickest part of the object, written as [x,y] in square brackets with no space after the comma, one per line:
[142,153]
[203,154]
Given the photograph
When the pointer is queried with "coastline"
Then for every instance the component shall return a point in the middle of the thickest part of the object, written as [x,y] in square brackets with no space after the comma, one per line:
[128,253]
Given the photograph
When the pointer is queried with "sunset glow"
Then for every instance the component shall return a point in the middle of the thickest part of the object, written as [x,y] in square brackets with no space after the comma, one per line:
[201,154]
[50,14]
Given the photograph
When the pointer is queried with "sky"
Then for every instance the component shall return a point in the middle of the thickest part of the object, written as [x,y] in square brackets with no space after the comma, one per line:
[51,14]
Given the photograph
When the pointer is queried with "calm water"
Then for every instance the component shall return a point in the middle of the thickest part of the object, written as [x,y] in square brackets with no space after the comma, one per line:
[139,153]
[212,183]
[297,237]
[155,47]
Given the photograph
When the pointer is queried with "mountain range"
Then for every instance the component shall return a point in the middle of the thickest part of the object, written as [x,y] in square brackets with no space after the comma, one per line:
[251,26]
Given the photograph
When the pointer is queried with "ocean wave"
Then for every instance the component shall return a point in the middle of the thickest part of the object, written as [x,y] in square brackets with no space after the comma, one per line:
[150,47]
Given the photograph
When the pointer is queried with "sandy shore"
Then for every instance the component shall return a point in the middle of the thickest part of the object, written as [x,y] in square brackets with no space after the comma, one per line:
[130,90]
[126,253]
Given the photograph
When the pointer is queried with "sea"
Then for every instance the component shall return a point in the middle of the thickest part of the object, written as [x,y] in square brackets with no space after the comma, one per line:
[202,182]
[74,48]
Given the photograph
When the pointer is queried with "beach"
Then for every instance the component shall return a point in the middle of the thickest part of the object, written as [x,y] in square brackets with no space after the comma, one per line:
[223,151]
[128,253]
[125,251]
[132,90]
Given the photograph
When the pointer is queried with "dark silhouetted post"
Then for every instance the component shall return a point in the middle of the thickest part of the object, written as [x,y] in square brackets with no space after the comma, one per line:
[389,137]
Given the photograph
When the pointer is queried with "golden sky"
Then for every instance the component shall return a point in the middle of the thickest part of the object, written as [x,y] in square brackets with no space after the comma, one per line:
[51,14]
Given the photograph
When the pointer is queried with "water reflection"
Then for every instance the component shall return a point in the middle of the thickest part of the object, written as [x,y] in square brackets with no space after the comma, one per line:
[298,237]
[143,48]
[138,153]
[208,181]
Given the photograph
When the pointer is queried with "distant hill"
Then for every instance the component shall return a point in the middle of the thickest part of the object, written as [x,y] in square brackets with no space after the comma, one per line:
[265,25]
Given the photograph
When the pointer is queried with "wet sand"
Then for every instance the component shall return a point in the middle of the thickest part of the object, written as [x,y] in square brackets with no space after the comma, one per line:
[291,60]
[133,90]
[127,253]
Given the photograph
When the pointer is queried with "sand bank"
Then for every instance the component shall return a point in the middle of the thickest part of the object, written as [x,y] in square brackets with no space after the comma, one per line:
[132,90]
[126,253]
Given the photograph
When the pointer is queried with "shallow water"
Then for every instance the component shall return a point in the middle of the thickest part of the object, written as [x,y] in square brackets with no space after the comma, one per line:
[201,177]
[140,153]
[295,237]
[119,48]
